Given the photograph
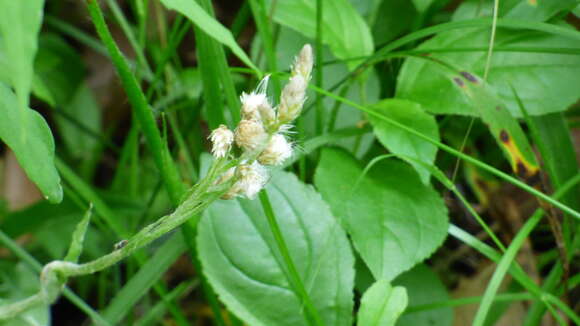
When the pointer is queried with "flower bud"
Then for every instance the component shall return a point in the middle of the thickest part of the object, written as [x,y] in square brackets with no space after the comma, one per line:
[250,134]
[222,139]
[303,62]
[292,99]
[252,178]
[278,150]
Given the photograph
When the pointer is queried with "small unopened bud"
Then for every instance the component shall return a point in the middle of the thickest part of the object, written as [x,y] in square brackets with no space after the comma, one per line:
[277,151]
[222,139]
[303,62]
[252,178]
[292,99]
[250,134]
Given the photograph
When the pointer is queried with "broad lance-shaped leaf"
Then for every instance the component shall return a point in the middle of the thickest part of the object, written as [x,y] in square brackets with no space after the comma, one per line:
[504,128]
[395,220]
[35,152]
[192,10]
[546,82]
[402,143]
[19,26]
[343,28]
[382,304]
[242,262]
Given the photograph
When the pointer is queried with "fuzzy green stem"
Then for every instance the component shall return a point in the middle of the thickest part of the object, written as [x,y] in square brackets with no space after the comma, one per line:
[55,274]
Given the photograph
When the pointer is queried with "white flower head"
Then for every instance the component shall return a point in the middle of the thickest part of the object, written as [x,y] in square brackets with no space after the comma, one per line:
[255,105]
[251,103]
[252,178]
[278,150]
[222,139]
[250,134]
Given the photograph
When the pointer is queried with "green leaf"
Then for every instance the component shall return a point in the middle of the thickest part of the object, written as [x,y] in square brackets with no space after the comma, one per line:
[529,10]
[402,143]
[343,29]
[539,10]
[546,82]
[422,5]
[242,262]
[424,287]
[382,304]
[19,29]
[35,152]
[393,18]
[78,237]
[192,10]
[58,69]
[395,220]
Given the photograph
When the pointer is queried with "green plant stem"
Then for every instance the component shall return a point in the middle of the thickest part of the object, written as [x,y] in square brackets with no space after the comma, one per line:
[457,153]
[319,75]
[34,264]
[292,272]
[470,300]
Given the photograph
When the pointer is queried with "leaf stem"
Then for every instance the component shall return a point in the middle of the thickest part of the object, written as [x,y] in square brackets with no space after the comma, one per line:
[292,273]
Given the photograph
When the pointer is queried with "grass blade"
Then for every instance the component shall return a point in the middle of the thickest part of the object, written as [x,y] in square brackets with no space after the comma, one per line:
[140,106]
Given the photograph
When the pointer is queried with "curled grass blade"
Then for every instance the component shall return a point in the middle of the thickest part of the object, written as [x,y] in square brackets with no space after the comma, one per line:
[34,264]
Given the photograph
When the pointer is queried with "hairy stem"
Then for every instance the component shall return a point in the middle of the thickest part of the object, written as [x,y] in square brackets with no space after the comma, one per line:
[55,274]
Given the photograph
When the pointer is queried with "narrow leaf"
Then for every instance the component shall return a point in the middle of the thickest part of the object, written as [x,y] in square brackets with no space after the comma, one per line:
[78,237]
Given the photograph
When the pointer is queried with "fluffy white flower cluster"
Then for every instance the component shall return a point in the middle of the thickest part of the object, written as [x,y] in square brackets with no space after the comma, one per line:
[260,133]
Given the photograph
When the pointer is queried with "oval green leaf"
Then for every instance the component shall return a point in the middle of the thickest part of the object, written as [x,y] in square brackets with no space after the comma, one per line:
[394,219]
[400,142]
[242,262]
[382,304]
